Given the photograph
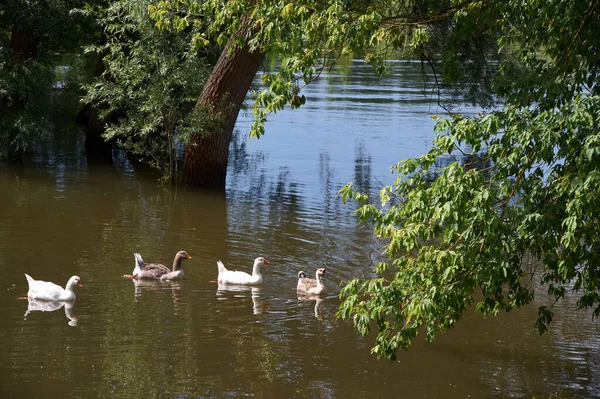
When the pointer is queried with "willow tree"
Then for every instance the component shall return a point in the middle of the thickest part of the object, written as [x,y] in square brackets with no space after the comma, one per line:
[148,87]
[309,37]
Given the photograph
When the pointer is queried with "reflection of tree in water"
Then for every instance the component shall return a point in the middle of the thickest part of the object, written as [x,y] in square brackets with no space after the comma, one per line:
[238,153]
[285,194]
[250,181]
[270,210]
[240,161]
[362,168]
[326,173]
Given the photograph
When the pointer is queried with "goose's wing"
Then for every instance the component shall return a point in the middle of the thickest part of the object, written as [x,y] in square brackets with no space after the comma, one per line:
[153,270]
[45,290]
[45,286]
[306,284]
[236,277]
[176,275]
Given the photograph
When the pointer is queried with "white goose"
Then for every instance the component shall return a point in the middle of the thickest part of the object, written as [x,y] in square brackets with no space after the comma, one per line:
[310,285]
[242,278]
[46,291]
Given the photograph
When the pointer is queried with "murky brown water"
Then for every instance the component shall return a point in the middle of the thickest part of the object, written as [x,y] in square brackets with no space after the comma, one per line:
[192,339]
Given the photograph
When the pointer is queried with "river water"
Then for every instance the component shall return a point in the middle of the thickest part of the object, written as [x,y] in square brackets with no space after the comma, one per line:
[193,339]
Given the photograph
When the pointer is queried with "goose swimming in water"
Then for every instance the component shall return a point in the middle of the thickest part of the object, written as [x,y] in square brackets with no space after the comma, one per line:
[310,285]
[47,291]
[243,278]
[157,271]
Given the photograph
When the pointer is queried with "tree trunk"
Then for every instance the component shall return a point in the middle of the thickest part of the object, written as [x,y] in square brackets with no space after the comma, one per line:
[23,45]
[207,154]
[97,149]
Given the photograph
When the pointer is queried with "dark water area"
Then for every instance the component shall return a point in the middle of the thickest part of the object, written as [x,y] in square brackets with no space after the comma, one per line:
[193,339]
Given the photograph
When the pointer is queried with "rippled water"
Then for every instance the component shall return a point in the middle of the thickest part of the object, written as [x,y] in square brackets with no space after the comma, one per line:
[192,339]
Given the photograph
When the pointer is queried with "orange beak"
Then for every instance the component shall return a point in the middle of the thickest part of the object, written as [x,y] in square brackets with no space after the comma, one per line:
[188,257]
[79,284]
[267,262]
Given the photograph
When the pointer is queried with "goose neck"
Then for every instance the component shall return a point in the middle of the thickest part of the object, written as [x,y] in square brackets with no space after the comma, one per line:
[177,263]
[256,269]
[318,278]
[70,286]
[69,293]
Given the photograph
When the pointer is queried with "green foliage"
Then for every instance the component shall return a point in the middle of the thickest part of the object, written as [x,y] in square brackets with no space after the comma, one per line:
[526,186]
[24,92]
[311,36]
[526,183]
[149,86]
[49,35]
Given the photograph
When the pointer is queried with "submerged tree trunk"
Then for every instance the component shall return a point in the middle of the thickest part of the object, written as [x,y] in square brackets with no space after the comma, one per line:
[23,45]
[97,149]
[206,155]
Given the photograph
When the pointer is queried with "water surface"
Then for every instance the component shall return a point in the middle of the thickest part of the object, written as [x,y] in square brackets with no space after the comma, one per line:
[195,339]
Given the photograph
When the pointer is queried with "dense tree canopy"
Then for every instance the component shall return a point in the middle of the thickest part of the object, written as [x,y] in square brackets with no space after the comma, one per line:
[526,185]
[35,38]
[149,85]
[312,36]
[525,182]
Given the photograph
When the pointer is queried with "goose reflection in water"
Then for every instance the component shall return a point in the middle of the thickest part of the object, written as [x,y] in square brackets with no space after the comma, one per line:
[318,299]
[157,285]
[146,285]
[258,305]
[51,306]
